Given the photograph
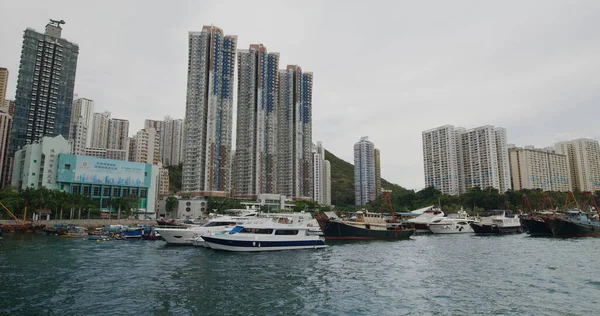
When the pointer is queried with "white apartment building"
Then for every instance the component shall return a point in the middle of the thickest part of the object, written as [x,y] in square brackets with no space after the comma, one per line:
[321,176]
[118,134]
[83,108]
[583,157]
[456,159]
[440,159]
[539,169]
[99,131]
[145,147]
[483,159]
[364,171]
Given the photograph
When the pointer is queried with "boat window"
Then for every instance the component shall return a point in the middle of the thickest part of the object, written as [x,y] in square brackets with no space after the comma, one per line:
[211,224]
[257,231]
[286,232]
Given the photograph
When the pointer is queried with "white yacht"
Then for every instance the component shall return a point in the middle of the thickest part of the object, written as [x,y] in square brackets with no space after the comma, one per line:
[421,222]
[301,219]
[276,234]
[188,235]
[452,224]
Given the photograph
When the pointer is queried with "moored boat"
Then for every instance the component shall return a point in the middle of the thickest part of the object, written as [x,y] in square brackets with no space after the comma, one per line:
[264,237]
[497,225]
[132,233]
[536,226]
[575,224]
[368,226]
[75,232]
[452,224]
[421,222]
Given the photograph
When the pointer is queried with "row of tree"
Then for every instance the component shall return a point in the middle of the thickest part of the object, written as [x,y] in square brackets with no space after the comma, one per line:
[62,203]
[477,200]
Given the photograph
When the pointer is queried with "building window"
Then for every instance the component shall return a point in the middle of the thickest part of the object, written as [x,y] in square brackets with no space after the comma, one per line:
[67,167]
[143,193]
[75,189]
[115,192]
[96,191]
[106,191]
[135,191]
[86,190]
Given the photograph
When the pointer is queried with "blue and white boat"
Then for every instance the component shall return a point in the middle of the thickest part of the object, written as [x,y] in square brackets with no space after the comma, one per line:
[266,236]
[133,233]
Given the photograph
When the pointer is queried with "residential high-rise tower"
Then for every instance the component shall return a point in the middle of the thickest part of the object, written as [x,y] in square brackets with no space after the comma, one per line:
[256,138]
[44,86]
[456,159]
[364,171]
[294,142]
[208,117]
[583,157]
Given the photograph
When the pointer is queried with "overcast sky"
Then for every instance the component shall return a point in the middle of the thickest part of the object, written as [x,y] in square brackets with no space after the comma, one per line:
[384,69]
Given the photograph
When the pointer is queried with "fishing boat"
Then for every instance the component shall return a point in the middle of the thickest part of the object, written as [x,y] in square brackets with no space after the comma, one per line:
[265,236]
[366,226]
[535,224]
[576,223]
[498,224]
[452,224]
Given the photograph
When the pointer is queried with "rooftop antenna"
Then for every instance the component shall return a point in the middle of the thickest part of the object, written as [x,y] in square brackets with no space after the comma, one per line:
[58,23]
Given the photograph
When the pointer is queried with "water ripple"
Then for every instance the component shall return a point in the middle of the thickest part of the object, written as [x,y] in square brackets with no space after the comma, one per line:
[427,275]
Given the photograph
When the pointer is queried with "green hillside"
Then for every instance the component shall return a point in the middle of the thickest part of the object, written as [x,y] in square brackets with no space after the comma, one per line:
[342,183]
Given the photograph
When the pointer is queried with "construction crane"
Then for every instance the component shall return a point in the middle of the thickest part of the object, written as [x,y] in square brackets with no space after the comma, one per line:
[387,201]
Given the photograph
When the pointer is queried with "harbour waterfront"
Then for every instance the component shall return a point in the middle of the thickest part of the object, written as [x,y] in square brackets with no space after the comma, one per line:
[426,275]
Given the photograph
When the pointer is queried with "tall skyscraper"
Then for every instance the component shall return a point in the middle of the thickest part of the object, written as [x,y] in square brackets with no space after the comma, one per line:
[364,171]
[294,123]
[3,85]
[83,108]
[208,117]
[44,86]
[456,159]
[538,169]
[78,136]
[256,148]
[583,156]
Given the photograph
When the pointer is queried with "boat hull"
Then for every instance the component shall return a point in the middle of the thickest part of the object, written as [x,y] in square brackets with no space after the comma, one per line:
[450,229]
[483,229]
[536,227]
[337,230]
[565,229]
[261,245]
[178,236]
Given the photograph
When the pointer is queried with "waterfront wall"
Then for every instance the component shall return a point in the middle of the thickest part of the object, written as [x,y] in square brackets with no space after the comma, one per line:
[91,223]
